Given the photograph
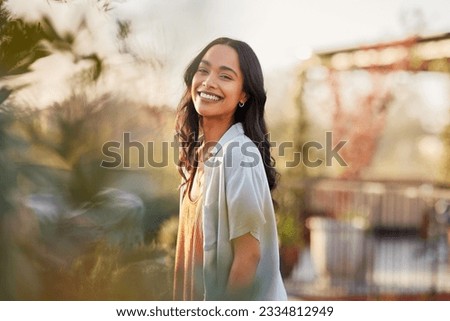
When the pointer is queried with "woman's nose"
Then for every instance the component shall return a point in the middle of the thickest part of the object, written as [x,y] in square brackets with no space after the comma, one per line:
[209,82]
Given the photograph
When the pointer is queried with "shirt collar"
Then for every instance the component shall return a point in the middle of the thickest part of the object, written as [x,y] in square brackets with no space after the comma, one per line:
[232,132]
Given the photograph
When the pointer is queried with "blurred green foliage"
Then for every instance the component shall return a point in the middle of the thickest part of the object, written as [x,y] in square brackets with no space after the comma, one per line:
[445,135]
[70,229]
[19,44]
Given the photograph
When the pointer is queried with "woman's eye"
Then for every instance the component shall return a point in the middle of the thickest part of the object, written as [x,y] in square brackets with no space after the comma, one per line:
[225,77]
[202,70]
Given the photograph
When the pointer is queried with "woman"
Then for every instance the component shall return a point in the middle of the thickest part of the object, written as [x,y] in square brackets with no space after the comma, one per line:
[227,241]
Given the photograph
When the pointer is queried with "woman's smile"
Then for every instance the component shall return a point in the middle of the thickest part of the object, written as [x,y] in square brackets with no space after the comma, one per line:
[217,85]
[209,97]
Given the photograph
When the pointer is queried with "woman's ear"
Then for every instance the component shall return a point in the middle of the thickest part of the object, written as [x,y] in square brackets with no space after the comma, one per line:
[244,97]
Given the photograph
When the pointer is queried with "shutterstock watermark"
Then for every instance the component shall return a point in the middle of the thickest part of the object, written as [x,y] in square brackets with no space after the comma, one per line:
[119,154]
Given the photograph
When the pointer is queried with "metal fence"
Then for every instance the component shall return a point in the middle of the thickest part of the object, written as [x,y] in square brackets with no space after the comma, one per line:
[374,240]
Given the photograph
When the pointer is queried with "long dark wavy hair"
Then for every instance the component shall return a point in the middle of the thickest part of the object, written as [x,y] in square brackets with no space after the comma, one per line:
[251,116]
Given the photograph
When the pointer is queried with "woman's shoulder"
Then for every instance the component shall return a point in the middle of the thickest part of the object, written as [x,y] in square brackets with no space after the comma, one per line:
[241,139]
[234,149]
[240,145]
[238,138]
[241,151]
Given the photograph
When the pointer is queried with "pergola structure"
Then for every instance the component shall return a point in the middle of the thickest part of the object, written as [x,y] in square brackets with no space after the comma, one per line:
[393,264]
[412,54]
[362,127]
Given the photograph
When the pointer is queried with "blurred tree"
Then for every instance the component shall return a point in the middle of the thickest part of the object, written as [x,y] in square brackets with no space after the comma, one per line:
[58,225]
[446,161]
[18,47]
[7,186]
[23,43]
[19,44]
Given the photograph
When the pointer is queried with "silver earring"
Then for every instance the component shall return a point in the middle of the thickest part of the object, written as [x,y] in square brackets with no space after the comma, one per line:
[241,104]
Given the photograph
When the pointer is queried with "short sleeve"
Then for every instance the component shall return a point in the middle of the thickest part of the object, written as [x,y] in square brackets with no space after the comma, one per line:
[246,187]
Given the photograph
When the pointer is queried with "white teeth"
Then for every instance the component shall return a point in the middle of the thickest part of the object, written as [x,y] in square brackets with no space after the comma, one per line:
[210,97]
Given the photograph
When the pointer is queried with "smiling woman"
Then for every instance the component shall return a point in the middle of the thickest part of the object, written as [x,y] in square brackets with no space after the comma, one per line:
[217,86]
[227,245]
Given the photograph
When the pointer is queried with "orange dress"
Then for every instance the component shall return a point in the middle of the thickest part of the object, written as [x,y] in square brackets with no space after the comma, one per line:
[188,278]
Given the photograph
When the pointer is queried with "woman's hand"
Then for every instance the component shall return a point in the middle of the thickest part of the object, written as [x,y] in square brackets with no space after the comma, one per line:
[243,269]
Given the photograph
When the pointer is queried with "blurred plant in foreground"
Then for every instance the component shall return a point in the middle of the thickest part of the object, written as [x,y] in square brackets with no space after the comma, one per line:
[69,229]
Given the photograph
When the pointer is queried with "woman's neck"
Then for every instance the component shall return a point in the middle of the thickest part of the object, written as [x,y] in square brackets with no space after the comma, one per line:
[213,130]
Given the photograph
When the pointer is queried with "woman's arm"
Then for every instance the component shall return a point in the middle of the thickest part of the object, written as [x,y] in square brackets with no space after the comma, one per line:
[243,269]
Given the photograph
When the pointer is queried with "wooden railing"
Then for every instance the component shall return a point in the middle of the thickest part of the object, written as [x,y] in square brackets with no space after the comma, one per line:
[405,244]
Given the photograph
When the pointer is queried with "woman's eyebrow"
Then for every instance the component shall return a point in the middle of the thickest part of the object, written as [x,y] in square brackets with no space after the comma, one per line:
[206,62]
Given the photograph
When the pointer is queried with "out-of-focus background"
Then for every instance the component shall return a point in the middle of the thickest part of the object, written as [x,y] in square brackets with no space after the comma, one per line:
[358,111]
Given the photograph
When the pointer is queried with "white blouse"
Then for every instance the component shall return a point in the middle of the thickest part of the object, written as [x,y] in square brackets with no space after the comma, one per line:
[237,201]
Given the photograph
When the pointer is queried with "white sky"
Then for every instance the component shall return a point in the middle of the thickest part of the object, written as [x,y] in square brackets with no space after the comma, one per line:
[280,31]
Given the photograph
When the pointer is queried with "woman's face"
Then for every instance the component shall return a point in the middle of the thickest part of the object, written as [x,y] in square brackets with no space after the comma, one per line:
[217,85]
